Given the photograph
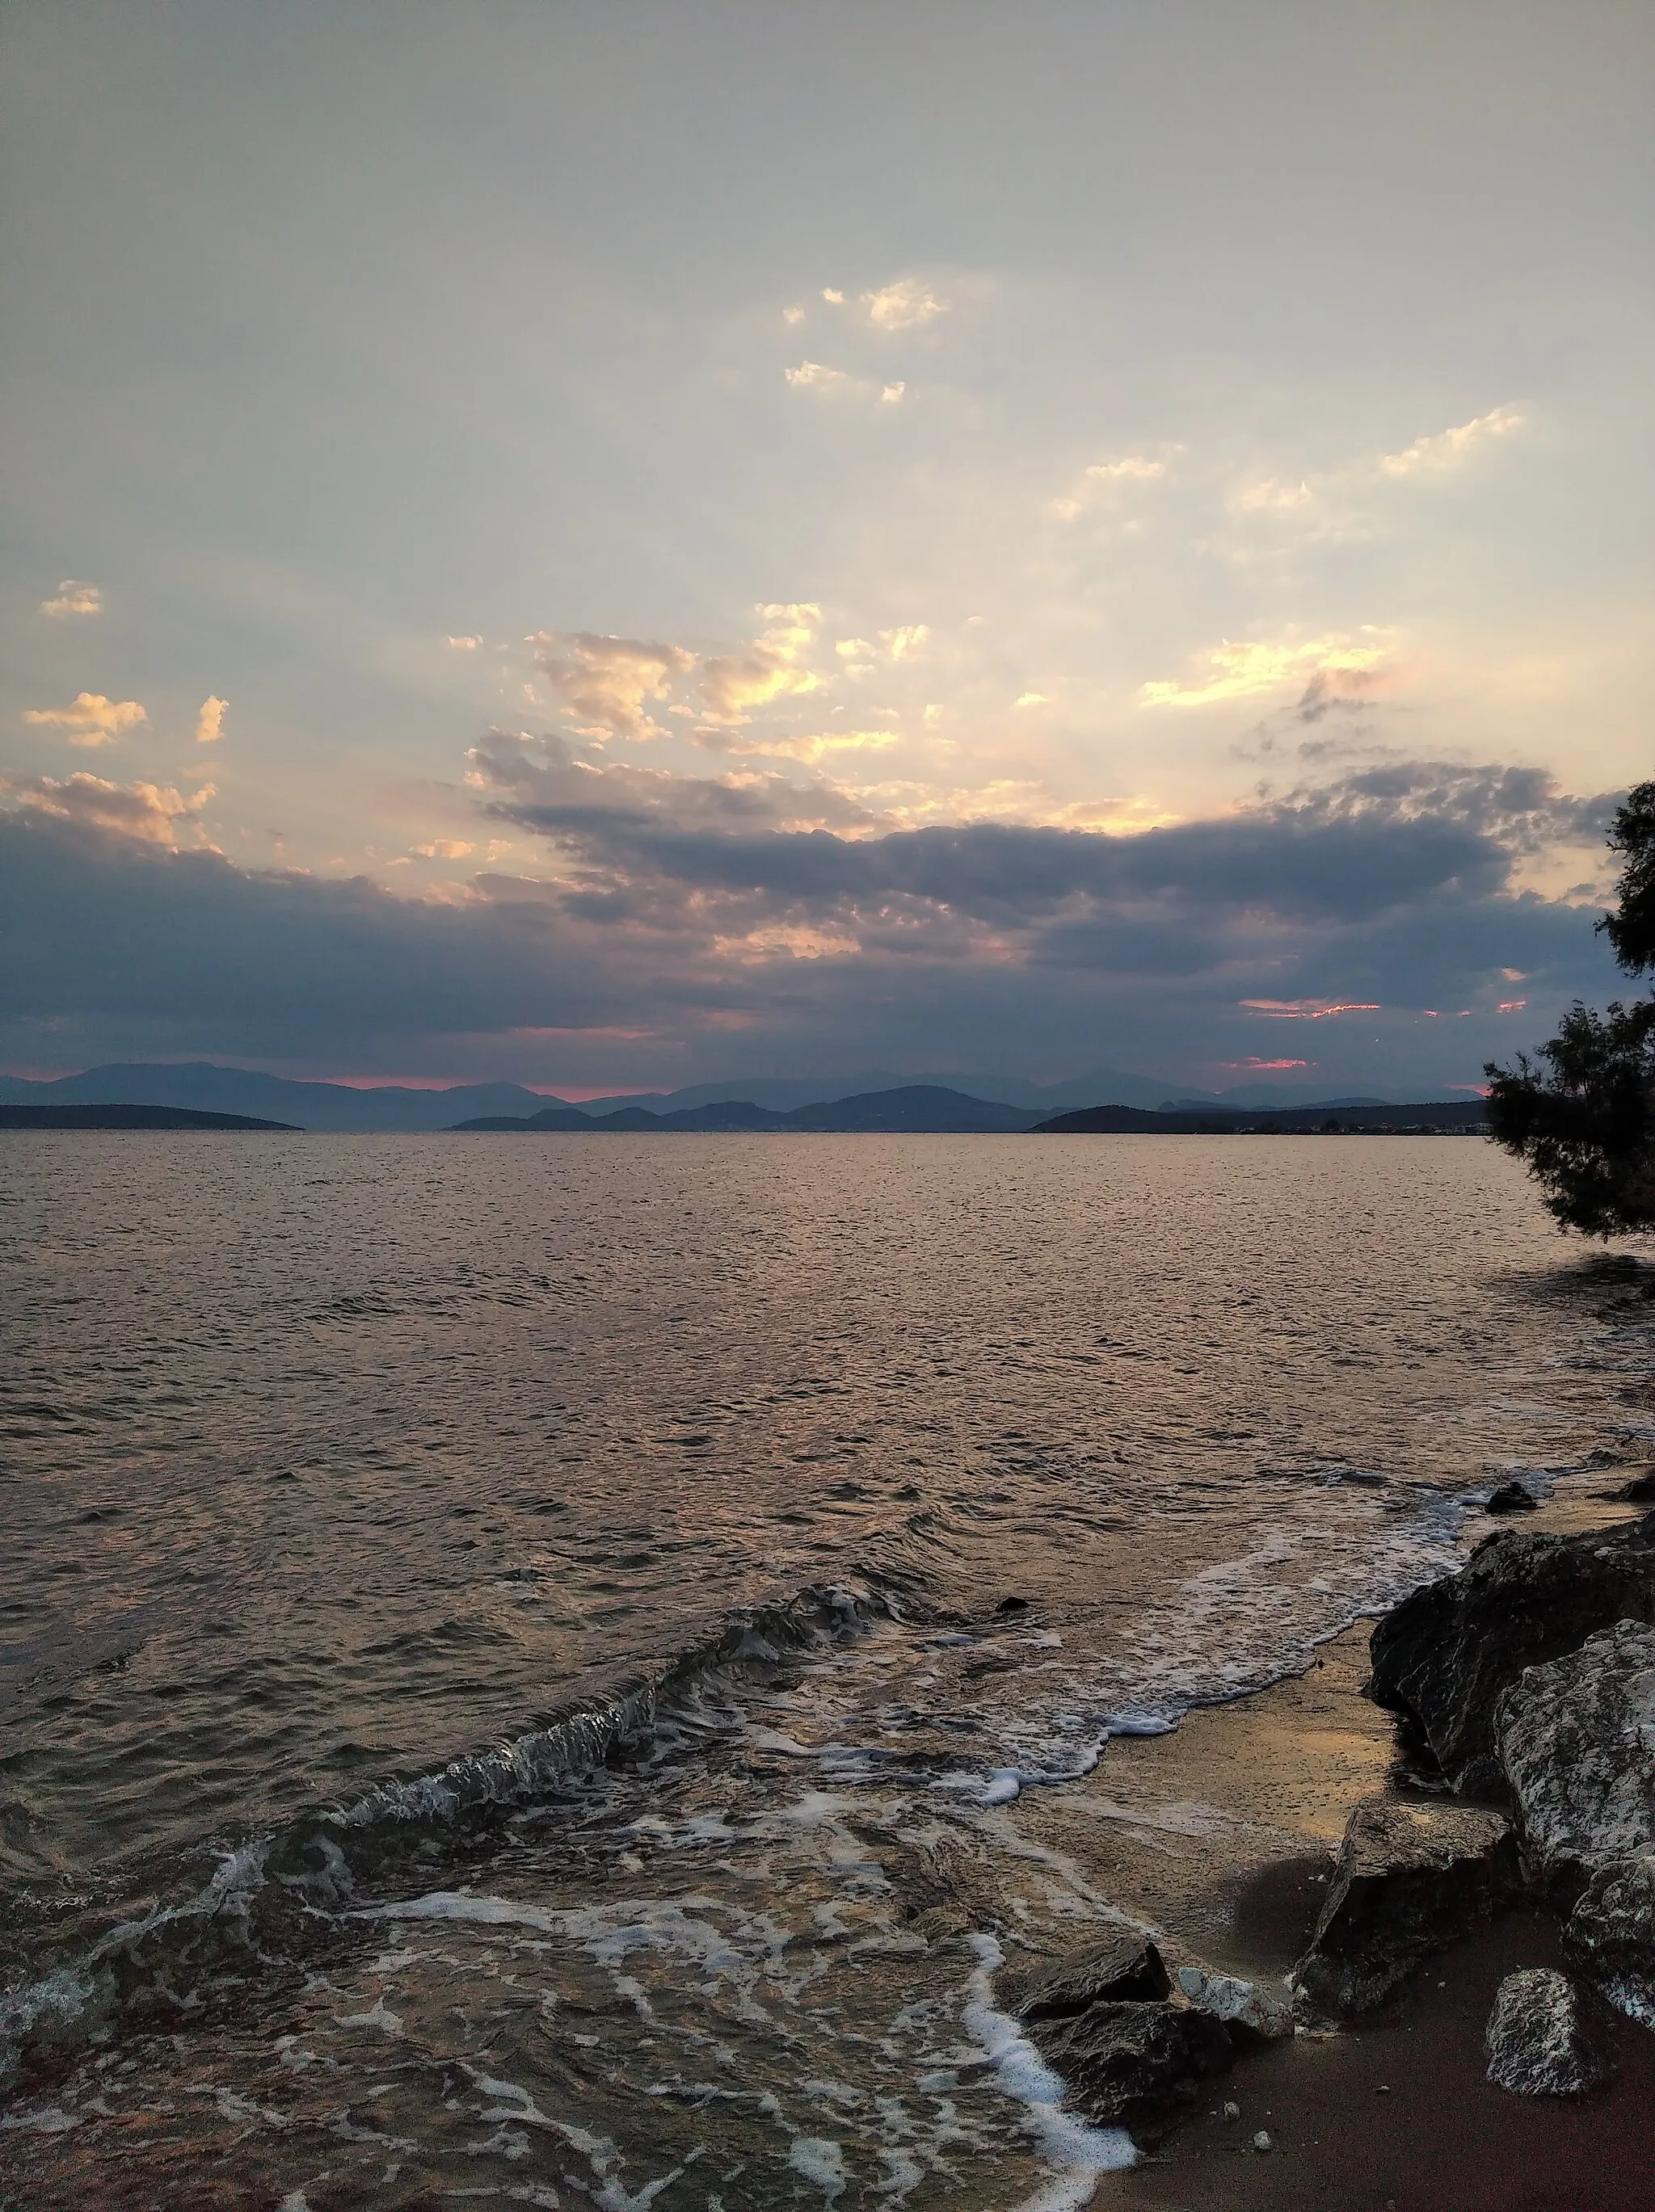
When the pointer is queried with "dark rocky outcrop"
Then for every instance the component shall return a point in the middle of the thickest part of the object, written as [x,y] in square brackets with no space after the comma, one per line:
[1120,1967]
[1443,1657]
[1134,2063]
[1539,2042]
[1611,1934]
[1576,1743]
[1409,1879]
[1511,1497]
[1104,2016]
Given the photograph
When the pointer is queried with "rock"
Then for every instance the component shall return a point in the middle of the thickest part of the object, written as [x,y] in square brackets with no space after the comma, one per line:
[1576,1739]
[1442,1657]
[1264,2140]
[1232,2112]
[1611,1934]
[1122,1967]
[1538,2042]
[1409,1878]
[1255,2007]
[1641,1490]
[1511,1497]
[1130,2062]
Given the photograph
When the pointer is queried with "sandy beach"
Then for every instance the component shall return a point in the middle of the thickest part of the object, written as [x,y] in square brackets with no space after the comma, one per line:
[1222,1836]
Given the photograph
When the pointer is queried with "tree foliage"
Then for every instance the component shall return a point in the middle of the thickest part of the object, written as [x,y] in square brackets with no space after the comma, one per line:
[1581,1116]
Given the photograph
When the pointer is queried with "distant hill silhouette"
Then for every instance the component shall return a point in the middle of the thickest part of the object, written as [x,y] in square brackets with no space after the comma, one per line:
[922,1108]
[1214,1120]
[115,1115]
[201,1086]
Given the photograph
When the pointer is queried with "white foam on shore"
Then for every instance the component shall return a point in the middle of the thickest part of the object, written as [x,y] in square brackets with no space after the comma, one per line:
[1079,2153]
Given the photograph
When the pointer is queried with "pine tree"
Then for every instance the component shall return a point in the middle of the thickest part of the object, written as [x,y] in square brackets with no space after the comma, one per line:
[1582,1114]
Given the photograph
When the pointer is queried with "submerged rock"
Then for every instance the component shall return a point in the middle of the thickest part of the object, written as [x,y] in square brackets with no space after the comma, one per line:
[1511,1497]
[1442,1658]
[1253,2007]
[1132,2063]
[1611,1933]
[1122,1967]
[1539,2044]
[1409,1879]
[1576,1739]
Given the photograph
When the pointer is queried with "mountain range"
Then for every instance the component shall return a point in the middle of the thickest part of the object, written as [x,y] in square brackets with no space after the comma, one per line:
[203,1086]
[917,1107]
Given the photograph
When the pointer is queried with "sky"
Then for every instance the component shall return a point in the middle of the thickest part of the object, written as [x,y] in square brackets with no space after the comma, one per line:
[618,545]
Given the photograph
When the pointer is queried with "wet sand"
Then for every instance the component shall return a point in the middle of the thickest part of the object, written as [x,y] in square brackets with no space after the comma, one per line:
[1222,1835]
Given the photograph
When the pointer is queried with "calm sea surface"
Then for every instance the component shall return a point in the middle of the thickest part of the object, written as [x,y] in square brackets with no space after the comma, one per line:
[502,1641]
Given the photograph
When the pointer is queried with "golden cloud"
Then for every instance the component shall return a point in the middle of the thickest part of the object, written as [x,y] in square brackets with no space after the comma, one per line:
[73,599]
[1243,670]
[153,813]
[90,719]
[608,683]
[1435,456]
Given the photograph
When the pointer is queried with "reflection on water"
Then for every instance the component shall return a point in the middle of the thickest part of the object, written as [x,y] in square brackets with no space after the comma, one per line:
[333,1461]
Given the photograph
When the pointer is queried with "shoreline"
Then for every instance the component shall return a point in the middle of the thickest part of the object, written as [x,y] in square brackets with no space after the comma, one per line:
[1218,1840]
[1222,1836]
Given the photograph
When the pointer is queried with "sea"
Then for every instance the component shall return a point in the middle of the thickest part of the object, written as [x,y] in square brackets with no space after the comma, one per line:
[521,1658]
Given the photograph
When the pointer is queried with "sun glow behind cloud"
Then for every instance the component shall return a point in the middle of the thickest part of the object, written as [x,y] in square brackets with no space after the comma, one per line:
[1249,668]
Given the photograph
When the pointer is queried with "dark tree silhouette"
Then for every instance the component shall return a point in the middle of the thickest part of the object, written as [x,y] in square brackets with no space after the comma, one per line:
[1582,1114]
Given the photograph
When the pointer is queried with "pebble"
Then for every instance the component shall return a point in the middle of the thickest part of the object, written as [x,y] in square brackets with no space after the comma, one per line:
[1233,2111]
[1263,2140]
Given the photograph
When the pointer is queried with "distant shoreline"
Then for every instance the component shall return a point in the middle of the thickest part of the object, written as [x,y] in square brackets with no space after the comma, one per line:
[132,1117]
[737,1117]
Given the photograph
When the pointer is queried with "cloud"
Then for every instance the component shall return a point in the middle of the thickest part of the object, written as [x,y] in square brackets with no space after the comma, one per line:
[1103,480]
[903,306]
[734,684]
[839,384]
[468,644]
[833,298]
[1245,671]
[1346,852]
[817,376]
[1449,448]
[671,914]
[152,813]
[74,597]
[1306,1010]
[210,722]
[1269,496]
[607,683]
[817,746]
[444,848]
[91,719]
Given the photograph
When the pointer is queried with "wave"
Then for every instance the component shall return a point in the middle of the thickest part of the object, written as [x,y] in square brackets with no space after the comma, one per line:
[270,1901]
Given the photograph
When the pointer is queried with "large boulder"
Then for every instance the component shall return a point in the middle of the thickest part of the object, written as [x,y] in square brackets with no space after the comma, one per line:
[1131,2064]
[1117,1966]
[1257,2011]
[1611,1933]
[1539,2043]
[1409,1879]
[1576,1739]
[1104,2016]
[1442,1658]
